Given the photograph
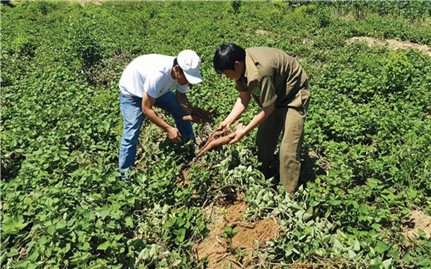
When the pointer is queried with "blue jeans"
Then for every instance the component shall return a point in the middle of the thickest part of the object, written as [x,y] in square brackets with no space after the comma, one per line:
[133,117]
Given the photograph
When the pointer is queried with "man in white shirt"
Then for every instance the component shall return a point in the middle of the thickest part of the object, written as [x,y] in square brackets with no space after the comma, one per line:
[147,81]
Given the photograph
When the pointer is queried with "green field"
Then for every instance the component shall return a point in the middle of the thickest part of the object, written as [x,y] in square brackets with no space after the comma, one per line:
[366,156]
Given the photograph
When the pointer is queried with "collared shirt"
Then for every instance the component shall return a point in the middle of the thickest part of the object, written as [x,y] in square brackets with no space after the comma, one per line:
[271,76]
[149,73]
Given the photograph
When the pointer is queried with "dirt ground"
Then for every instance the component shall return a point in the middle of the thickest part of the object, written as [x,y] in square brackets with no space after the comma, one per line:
[250,236]
[392,44]
[418,220]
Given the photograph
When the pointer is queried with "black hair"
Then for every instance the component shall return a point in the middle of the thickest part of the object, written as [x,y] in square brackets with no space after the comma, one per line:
[226,55]
[176,63]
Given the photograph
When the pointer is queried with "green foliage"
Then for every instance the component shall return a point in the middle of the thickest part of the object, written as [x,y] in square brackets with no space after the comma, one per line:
[24,47]
[398,72]
[236,5]
[229,233]
[182,225]
[85,48]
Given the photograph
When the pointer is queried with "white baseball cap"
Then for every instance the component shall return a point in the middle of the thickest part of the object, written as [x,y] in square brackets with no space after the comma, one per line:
[190,63]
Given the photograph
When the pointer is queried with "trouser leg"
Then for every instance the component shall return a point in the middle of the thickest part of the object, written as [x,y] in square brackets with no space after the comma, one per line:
[133,117]
[169,103]
[290,149]
[267,139]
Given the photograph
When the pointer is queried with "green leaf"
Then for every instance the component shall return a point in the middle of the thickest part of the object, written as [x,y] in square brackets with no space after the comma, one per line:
[85,246]
[387,263]
[34,254]
[60,225]
[407,258]
[104,246]
[351,254]
[424,261]
[13,252]
[129,222]
[376,226]
[13,225]
[181,234]
[356,245]
[306,216]
[337,244]
[380,247]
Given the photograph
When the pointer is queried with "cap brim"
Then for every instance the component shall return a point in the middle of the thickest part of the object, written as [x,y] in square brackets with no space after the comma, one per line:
[193,78]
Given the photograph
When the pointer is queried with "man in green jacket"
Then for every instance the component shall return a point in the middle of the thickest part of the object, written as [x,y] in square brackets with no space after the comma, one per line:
[279,85]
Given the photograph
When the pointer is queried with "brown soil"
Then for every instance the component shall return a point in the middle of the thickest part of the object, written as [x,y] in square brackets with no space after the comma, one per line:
[392,44]
[418,220]
[250,236]
[235,213]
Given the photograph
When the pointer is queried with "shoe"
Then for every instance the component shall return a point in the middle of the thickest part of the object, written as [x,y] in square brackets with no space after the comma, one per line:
[124,175]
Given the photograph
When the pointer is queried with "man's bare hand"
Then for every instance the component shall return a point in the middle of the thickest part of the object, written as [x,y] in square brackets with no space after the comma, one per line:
[199,116]
[205,115]
[174,135]
[237,136]
[224,126]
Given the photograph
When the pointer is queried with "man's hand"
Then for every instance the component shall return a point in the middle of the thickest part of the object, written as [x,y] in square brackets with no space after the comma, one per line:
[199,116]
[174,135]
[224,126]
[204,115]
[237,136]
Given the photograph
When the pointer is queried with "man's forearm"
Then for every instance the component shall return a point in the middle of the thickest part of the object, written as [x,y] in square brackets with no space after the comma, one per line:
[184,102]
[259,118]
[237,110]
[153,117]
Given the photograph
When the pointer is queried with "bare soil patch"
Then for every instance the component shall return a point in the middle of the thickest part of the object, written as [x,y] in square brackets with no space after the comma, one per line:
[250,236]
[392,44]
[418,220]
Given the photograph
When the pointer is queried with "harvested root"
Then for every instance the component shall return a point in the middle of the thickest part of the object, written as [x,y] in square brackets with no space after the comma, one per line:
[216,134]
[214,140]
[213,144]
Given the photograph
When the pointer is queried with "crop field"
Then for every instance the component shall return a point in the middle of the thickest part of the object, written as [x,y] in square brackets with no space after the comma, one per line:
[364,199]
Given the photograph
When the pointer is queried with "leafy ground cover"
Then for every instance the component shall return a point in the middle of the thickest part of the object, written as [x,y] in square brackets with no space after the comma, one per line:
[366,170]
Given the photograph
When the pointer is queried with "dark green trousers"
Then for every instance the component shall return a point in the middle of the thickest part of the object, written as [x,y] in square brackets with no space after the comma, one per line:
[290,122]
